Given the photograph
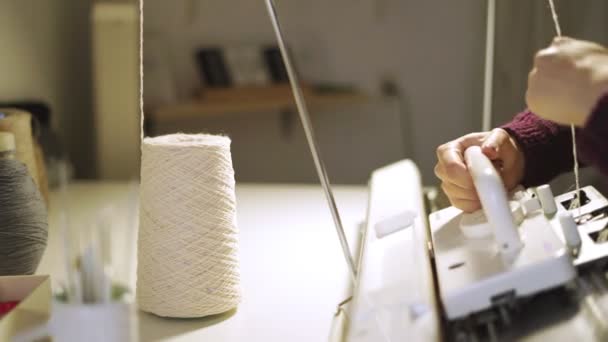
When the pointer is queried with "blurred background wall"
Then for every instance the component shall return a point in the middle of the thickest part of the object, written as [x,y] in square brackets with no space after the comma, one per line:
[46,56]
[432,50]
[430,53]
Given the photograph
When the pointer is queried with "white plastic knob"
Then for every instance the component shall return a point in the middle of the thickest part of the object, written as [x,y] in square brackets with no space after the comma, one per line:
[394,223]
[518,193]
[545,195]
[572,237]
[530,204]
[493,197]
[517,212]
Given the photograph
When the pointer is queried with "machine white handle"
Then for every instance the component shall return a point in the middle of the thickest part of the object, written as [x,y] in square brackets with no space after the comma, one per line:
[493,197]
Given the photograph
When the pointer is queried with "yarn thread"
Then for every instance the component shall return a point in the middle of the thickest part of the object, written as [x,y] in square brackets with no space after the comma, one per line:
[188,237]
[141,71]
[576,202]
[188,257]
[23,220]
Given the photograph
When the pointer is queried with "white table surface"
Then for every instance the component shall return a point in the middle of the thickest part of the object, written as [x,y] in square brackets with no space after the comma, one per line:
[292,270]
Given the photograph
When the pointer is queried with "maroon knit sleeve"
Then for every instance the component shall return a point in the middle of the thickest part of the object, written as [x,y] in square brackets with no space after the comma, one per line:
[547,147]
[593,142]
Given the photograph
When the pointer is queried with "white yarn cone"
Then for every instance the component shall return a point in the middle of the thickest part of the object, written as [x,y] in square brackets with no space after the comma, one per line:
[187,248]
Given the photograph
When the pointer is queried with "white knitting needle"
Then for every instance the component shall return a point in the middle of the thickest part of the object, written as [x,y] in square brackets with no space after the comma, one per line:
[310,137]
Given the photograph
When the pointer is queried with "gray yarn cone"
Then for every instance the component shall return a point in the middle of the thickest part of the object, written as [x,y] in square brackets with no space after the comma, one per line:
[23,220]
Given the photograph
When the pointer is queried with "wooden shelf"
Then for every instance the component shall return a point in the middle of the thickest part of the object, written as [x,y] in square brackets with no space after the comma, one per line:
[253,100]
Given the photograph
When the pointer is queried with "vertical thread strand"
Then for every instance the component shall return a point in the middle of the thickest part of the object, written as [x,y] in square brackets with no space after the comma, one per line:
[141,71]
[576,202]
[188,238]
[488,76]
[558,29]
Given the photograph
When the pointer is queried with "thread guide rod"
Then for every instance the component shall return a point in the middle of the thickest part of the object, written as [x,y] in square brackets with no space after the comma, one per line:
[310,137]
[488,75]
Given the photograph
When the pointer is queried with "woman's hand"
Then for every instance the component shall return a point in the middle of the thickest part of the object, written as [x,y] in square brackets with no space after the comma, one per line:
[451,169]
[567,80]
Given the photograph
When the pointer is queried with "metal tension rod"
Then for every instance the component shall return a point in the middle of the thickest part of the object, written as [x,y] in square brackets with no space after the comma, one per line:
[310,137]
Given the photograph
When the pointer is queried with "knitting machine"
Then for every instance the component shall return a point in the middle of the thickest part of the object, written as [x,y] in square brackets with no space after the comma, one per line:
[526,266]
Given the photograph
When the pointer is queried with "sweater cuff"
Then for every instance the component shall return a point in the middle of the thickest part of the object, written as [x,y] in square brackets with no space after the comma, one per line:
[543,143]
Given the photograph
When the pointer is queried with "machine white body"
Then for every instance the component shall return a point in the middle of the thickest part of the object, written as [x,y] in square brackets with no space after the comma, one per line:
[475,274]
[405,283]
[592,219]
[410,274]
[394,296]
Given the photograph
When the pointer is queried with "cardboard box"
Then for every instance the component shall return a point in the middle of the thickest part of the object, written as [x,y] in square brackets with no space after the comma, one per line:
[34,308]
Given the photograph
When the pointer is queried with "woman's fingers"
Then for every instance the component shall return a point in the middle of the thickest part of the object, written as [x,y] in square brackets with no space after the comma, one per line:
[451,166]
[454,191]
[493,145]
